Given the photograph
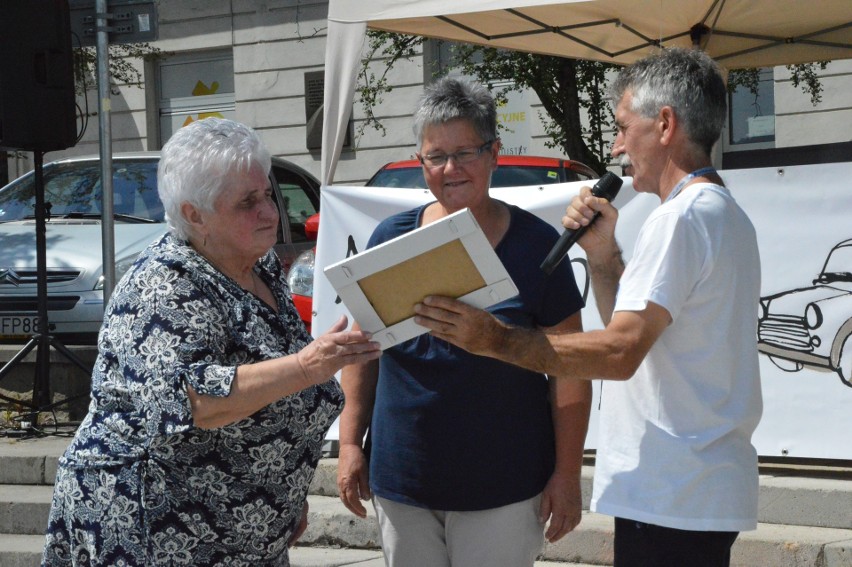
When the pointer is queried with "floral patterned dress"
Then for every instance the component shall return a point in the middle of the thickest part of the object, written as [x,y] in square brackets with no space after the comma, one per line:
[139,484]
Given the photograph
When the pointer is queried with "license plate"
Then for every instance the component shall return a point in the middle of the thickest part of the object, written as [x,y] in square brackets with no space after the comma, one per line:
[16,326]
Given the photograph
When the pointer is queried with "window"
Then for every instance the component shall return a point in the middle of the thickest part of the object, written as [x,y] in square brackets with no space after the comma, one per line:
[298,198]
[752,116]
[193,87]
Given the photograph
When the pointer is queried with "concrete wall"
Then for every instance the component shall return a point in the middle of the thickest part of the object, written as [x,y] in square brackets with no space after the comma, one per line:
[799,123]
[67,383]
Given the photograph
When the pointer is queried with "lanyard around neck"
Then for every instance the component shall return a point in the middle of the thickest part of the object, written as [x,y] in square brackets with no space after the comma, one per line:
[682,183]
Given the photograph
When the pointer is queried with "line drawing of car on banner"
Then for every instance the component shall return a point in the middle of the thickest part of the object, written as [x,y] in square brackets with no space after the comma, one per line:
[811,327]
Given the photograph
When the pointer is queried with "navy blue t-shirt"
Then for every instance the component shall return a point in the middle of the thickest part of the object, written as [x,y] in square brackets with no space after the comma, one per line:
[456,431]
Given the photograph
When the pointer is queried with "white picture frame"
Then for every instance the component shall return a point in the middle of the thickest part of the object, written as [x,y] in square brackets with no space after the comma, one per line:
[450,257]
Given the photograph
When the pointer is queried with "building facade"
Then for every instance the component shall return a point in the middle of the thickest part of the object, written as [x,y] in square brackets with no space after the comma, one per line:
[261,62]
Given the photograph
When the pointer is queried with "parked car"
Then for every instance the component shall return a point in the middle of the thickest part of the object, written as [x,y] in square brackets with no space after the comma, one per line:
[73,233]
[512,171]
[812,326]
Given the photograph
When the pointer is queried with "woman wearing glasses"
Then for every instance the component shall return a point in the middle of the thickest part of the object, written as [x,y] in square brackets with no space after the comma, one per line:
[468,458]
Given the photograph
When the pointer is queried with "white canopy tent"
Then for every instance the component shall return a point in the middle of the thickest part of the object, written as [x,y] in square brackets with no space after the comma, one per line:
[737,33]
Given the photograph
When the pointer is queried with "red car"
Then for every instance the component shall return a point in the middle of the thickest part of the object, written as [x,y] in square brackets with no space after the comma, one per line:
[513,171]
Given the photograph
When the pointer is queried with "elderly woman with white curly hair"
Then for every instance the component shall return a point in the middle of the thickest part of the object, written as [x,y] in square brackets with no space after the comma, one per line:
[210,401]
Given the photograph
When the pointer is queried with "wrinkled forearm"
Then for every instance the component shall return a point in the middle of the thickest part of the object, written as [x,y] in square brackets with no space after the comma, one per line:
[605,270]
[588,356]
[254,387]
[563,353]
[571,403]
[359,387]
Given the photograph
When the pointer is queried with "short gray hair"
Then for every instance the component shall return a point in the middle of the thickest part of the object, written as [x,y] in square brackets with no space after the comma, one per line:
[689,81]
[450,99]
[197,163]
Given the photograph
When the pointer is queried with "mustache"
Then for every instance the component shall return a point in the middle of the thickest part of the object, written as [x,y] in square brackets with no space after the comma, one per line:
[624,161]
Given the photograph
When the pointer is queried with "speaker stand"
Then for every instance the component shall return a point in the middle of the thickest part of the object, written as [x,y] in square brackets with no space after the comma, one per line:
[42,341]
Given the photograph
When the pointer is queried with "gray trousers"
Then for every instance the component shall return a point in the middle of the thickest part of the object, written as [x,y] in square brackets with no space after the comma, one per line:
[509,536]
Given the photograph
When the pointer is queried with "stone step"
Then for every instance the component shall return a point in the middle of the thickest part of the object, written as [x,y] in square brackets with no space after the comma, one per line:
[787,496]
[332,525]
[31,460]
[337,535]
[24,508]
[20,550]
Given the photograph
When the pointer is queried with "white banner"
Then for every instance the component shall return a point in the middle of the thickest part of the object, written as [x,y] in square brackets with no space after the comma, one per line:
[801,214]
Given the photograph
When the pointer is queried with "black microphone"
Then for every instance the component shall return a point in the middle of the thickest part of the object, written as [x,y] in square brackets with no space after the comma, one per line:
[606,187]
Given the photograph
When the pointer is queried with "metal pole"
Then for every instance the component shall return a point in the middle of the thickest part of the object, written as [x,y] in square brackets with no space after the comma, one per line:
[105,129]
[41,384]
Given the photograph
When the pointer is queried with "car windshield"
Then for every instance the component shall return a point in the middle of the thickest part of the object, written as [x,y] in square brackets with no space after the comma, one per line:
[503,176]
[410,177]
[73,190]
[518,175]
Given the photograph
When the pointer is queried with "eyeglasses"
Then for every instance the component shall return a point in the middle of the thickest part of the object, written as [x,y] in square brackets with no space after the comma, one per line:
[464,155]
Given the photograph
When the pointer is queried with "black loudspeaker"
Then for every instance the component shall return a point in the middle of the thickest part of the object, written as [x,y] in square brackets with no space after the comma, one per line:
[37,104]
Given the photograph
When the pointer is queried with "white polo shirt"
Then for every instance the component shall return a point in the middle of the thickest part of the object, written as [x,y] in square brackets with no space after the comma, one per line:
[675,440]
